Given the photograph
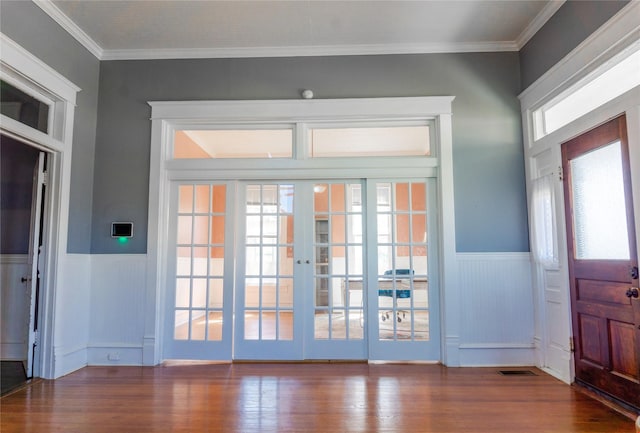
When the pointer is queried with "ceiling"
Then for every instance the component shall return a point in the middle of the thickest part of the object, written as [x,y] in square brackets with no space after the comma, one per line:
[114,29]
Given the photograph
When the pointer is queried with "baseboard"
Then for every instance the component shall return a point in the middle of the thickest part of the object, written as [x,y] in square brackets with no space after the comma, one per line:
[499,355]
[69,360]
[114,354]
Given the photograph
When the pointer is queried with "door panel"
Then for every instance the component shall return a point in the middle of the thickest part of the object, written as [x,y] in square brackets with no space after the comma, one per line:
[200,274]
[602,258]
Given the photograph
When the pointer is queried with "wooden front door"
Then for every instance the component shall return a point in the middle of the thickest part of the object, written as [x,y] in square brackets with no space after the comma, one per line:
[603,261]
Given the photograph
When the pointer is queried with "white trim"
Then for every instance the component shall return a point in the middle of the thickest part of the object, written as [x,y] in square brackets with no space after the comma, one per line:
[71,27]
[309,50]
[22,65]
[553,354]
[166,115]
[611,38]
[540,20]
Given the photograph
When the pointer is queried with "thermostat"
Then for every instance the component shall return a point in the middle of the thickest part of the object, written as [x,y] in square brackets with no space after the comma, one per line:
[121,230]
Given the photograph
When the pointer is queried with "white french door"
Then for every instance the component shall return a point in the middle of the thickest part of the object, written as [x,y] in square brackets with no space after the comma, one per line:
[292,270]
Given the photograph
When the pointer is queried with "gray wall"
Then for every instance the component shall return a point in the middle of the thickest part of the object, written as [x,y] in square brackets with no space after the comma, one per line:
[31,28]
[17,163]
[565,30]
[488,156]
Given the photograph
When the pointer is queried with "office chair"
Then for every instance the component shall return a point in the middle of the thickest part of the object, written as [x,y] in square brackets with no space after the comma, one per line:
[400,294]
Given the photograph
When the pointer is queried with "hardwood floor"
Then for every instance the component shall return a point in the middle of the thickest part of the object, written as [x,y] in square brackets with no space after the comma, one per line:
[305,397]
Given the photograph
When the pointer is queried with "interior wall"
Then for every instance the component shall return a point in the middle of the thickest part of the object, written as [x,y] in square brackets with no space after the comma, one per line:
[488,158]
[35,31]
[565,30]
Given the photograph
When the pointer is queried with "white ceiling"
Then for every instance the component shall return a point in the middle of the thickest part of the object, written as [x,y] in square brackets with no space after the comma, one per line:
[142,29]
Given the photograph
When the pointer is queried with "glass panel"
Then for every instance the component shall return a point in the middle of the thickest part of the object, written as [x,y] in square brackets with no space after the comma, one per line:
[269,299]
[321,325]
[268,321]
[321,197]
[337,198]
[285,326]
[599,208]
[419,228]
[285,292]
[185,202]
[202,199]
[256,143]
[215,292]
[253,260]
[199,261]
[217,229]
[322,292]
[270,198]
[369,141]
[251,325]
[216,262]
[183,265]
[199,296]
[252,293]
[200,230]
[286,198]
[198,324]
[285,261]
[215,326]
[421,325]
[355,260]
[219,198]
[402,228]
[402,197]
[182,292]
[337,228]
[418,197]
[356,324]
[181,325]
[338,327]
[184,229]
[24,108]
[420,292]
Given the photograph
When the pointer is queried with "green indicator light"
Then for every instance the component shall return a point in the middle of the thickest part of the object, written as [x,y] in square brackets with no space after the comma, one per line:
[123,240]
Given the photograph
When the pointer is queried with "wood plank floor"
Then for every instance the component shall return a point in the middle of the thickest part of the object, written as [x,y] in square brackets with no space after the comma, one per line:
[305,397]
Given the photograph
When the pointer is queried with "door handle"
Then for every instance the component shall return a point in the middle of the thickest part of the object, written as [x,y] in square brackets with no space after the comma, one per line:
[633,292]
[25,279]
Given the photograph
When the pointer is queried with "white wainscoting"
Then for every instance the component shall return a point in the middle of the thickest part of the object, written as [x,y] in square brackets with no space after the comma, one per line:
[14,306]
[72,299]
[118,286]
[497,310]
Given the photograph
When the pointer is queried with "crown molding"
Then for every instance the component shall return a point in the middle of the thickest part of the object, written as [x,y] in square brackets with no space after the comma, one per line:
[540,20]
[71,27]
[309,51]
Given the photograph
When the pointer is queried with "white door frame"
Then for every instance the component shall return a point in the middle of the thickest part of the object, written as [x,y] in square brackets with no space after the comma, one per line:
[28,73]
[168,116]
[543,158]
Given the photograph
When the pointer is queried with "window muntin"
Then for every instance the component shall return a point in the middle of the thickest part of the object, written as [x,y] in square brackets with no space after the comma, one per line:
[233,143]
[378,141]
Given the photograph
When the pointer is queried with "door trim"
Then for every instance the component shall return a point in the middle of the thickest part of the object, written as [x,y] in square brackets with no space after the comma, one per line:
[165,115]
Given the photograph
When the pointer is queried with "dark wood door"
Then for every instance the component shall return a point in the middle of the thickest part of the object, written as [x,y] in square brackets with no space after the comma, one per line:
[603,261]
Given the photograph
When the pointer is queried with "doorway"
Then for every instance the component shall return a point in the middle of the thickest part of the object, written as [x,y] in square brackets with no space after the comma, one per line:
[21,211]
[294,270]
[603,261]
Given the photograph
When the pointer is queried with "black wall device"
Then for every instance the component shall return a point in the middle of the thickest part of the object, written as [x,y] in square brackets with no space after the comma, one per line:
[121,230]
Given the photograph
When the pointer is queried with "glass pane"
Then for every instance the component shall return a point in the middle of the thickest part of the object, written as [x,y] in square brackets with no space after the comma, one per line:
[182,292]
[216,262]
[285,261]
[321,198]
[402,197]
[419,228]
[322,292]
[599,208]
[270,198]
[181,325]
[219,198]
[251,293]
[199,261]
[251,325]
[285,328]
[198,323]
[369,141]
[286,198]
[257,143]
[215,326]
[421,325]
[402,228]
[418,197]
[217,230]
[420,292]
[356,324]
[337,228]
[24,108]
[321,324]
[184,229]
[337,198]
[199,297]
[268,322]
[202,199]
[215,293]
[285,291]
[355,260]
[200,229]
[186,199]
[183,265]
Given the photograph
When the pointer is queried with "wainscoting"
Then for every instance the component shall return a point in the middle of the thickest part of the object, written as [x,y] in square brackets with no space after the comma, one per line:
[497,310]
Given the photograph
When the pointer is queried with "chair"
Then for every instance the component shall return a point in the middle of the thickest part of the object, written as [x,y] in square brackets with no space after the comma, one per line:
[400,294]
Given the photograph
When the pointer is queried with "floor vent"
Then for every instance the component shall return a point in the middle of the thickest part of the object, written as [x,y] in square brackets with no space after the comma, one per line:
[517,373]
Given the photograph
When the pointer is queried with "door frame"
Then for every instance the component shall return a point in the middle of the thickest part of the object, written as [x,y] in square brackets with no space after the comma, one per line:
[168,116]
[543,158]
[30,74]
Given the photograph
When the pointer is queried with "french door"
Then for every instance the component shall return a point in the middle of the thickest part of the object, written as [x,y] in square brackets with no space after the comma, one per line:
[292,270]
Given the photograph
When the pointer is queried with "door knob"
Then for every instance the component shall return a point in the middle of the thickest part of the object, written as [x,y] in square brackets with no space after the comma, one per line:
[633,292]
